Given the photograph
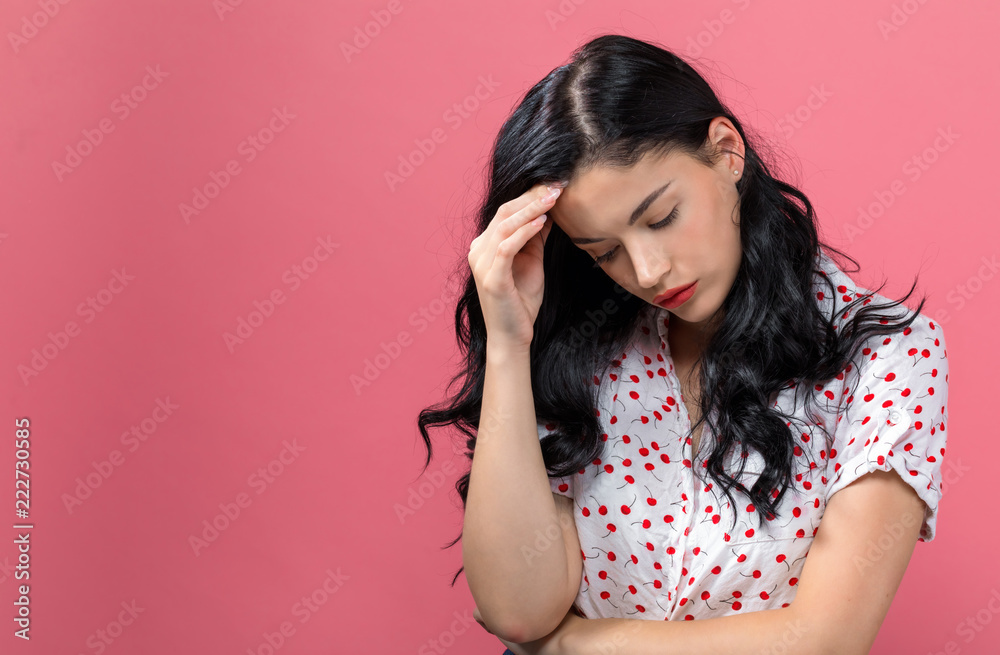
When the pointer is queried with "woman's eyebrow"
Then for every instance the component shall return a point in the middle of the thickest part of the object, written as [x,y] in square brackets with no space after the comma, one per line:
[636,213]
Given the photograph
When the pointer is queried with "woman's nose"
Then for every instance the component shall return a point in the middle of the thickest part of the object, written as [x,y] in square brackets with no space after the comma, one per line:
[650,267]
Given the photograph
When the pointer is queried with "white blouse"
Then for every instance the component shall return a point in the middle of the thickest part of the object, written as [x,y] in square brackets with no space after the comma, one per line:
[656,542]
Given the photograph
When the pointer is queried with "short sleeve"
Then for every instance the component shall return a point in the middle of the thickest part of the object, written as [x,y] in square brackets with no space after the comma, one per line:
[560,485]
[894,416]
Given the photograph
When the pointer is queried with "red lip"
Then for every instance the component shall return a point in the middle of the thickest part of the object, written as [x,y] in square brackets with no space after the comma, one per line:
[670,293]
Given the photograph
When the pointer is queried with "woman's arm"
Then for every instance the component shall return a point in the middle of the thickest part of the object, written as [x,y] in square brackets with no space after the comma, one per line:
[509,506]
[847,585]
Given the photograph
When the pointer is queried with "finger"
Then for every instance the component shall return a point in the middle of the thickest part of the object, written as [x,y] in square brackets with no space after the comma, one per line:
[515,205]
[544,232]
[498,274]
[501,229]
[512,245]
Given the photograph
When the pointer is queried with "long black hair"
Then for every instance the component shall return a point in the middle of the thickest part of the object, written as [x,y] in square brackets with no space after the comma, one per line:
[618,99]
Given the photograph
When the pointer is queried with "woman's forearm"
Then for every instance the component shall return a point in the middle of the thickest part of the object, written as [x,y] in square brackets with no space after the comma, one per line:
[509,507]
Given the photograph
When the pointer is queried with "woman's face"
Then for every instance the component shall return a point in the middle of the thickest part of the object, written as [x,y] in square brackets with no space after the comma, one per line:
[699,242]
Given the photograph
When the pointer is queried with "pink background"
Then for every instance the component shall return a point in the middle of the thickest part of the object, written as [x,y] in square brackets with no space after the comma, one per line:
[867,103]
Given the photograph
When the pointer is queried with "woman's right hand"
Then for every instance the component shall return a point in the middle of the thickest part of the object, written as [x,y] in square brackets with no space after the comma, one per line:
[506,261]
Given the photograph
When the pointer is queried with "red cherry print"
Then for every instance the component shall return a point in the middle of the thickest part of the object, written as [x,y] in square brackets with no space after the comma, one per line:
[648,564]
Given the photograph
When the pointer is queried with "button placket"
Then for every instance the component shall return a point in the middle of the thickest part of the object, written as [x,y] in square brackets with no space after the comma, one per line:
[687,507]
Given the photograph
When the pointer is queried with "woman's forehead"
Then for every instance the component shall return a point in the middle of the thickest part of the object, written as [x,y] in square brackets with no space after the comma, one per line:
[610,193]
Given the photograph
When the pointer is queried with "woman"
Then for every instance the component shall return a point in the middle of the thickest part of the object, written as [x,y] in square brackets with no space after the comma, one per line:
[701,380]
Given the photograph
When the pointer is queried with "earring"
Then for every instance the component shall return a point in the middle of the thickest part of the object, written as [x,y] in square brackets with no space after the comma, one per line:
[736,172]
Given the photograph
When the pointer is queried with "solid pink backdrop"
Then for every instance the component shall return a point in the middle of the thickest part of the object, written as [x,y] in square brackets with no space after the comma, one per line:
[306,237]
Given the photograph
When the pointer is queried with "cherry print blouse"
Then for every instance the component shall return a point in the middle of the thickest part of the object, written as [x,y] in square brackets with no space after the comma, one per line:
[656,542]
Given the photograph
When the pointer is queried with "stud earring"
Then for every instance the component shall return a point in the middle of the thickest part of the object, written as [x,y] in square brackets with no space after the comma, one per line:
[736,172]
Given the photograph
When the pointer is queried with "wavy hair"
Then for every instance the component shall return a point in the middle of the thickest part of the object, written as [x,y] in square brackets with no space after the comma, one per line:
[618,99]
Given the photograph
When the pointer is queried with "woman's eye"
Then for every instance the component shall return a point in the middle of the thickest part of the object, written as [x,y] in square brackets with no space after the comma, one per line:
[666,221]
[605,257]
[598,261]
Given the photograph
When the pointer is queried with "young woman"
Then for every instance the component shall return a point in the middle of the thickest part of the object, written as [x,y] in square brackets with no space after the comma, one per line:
[672,393]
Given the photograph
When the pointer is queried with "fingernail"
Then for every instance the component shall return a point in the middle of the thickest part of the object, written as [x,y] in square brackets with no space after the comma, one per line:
[553,192]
